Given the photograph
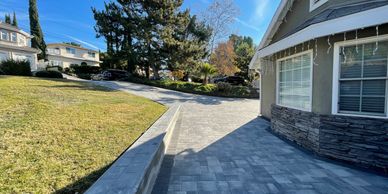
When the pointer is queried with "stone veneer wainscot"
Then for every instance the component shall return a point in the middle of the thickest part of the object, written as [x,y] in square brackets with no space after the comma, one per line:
[357,140]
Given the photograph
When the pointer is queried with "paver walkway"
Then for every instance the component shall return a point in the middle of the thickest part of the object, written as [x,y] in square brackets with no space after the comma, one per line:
[220,146]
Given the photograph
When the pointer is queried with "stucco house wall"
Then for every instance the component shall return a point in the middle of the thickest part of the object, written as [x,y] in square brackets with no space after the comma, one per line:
[18,48]
[66,59]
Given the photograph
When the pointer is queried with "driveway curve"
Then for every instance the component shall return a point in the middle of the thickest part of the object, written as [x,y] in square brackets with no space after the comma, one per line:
[221,146]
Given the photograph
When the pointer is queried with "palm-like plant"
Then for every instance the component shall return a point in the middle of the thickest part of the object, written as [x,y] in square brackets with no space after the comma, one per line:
[207,70]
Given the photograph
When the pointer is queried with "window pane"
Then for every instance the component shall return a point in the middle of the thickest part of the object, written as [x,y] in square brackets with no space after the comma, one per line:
[294,85]
[306,61]
[380,53]
[351,70]
[373,87]
[373,104]
[375,68]
[350,88]
[349,104]
[352,54]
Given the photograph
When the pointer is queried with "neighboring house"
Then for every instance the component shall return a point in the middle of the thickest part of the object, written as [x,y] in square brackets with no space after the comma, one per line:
[16,44]
[64,55]
[324,78]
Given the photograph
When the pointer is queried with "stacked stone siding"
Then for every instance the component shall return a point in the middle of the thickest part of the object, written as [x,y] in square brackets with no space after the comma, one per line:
[358,140]
[298,126]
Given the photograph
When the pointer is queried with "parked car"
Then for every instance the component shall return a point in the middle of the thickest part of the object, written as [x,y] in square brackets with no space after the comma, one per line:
[233,80]
[111,74]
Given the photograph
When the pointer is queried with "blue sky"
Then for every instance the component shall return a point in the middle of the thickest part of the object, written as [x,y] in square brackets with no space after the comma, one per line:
[72,20]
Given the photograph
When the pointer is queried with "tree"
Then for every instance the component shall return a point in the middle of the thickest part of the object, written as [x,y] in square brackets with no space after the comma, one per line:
[7,19]
[14,20]
[191,47]
[220,15]
[206,71]
[37,41]
[244,49]
[224,58]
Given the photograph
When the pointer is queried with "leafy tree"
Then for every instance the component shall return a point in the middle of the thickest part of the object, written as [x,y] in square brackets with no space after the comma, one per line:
[206,71]
[244,54]
[36,31]
[220,15]
[224,58]
[191,47]
[7,19]
[14,20]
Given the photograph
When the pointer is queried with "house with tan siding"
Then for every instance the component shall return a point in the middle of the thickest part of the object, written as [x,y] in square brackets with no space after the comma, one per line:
[16,44]
[324,78]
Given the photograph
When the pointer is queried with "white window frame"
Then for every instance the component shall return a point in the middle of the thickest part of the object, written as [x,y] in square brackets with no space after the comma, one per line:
[336,76]
[315,5]
[6,33]
[310,52]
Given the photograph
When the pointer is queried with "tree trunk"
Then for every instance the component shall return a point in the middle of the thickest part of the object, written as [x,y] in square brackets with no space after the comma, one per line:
[147,71]
[205,80]
[155,70]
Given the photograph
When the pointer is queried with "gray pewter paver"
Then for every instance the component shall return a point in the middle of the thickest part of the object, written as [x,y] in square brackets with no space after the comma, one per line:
[220,146]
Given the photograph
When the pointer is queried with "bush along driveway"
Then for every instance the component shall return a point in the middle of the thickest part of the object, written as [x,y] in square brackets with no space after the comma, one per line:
[60,136]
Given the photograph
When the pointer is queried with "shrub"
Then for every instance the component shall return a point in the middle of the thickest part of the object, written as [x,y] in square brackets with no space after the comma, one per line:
[12,67]
[85,69]
[209,88]
[54,68]
[178,74]
[224,87]
[49,74]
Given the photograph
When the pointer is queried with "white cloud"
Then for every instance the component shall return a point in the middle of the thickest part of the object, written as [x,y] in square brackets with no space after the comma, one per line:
[261,7]
[247,25]
[83,42]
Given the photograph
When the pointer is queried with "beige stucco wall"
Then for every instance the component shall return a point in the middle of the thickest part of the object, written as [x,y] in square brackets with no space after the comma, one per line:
[11,54]
[79,52]
[322,71]
[67,61]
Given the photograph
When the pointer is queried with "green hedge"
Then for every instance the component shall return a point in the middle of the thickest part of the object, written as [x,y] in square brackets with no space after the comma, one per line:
[197,88]
[49,74]
[12,67]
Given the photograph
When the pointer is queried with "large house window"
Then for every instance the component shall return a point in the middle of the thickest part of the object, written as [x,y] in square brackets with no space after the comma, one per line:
[13,37]
[3,56]
[70,50]
[4,35]
[294,81]
[363,78]
[314,4]
[56,63]
[91,54]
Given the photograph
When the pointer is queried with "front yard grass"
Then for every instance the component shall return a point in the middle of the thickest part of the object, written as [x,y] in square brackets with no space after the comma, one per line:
[60,136]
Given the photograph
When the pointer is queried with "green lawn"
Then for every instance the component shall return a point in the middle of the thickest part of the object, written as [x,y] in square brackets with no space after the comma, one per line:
[60,136]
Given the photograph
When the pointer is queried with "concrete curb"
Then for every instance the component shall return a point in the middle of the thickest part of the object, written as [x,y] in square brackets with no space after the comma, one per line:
[136,170]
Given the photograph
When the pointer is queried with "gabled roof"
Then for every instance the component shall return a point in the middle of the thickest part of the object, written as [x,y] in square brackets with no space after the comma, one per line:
[331,21]
[276,21]
[14,29]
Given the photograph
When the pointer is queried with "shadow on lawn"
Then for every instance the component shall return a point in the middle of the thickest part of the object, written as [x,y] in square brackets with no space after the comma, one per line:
[81,185]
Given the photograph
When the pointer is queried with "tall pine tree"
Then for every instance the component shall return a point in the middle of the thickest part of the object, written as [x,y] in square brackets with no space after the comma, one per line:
[36,31]
[14,20]
[7,19]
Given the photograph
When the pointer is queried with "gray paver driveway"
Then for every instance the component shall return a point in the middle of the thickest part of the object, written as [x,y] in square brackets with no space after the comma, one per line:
[220,146]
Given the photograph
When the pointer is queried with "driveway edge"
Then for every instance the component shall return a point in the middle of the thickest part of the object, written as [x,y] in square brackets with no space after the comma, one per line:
[136,170]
